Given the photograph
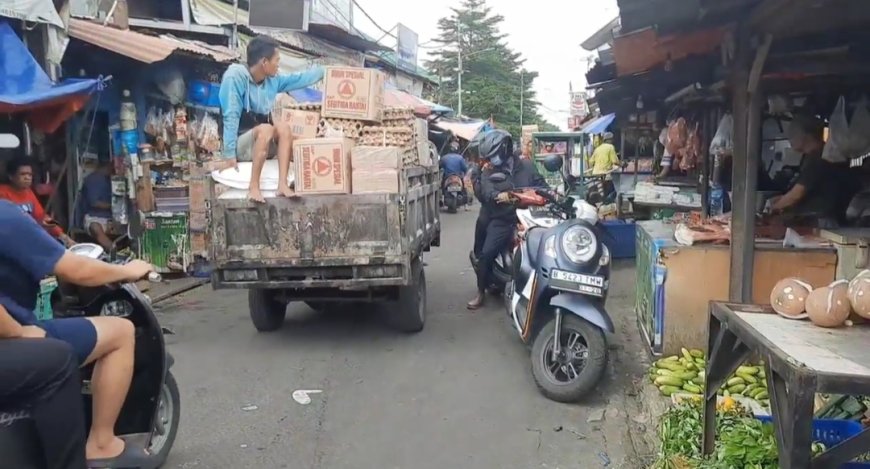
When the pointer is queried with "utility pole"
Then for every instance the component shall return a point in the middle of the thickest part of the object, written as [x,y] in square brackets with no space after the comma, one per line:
[459,55]
[522,93]
[235,39]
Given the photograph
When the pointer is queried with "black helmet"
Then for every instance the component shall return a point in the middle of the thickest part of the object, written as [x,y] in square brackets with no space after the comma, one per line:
[496,145]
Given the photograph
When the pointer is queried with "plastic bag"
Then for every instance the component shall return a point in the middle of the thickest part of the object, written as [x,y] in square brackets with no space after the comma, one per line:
[859,130]
[723,140]
[208,135]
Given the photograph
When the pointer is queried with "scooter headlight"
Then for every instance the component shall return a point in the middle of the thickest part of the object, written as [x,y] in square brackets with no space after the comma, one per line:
[579,244]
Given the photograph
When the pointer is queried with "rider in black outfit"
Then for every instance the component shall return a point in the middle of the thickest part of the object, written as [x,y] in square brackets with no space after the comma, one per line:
[498,218]
[42,376]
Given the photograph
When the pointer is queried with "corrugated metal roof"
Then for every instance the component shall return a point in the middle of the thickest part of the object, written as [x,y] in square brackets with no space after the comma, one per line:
[143,47]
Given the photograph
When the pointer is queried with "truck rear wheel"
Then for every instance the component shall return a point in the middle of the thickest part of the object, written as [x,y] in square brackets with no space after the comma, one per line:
[410,313]
[267,313]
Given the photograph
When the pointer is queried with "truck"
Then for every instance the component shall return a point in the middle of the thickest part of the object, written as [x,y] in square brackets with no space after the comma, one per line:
[361,250]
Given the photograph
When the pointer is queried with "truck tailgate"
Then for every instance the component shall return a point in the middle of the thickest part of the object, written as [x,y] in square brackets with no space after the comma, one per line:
[312,230]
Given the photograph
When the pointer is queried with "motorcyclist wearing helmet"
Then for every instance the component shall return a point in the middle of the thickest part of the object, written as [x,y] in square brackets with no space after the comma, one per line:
[497,156]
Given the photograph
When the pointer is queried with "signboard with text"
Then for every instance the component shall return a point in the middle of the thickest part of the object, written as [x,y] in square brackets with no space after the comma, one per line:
[280,14]
[406,48]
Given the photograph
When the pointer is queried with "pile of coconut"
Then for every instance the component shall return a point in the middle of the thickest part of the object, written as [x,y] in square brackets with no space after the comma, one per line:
[829,306]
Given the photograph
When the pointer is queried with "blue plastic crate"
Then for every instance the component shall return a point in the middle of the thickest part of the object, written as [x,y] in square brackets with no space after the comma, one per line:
[831,433]
[620,238]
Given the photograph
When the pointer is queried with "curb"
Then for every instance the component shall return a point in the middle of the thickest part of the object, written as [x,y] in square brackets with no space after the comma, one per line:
[186,287]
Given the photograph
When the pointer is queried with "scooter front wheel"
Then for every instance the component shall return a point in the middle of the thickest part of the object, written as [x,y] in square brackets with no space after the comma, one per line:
[576,369]
[166,424]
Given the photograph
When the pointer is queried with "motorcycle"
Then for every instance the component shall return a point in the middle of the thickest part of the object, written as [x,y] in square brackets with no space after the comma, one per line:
[151,412]
[454,193]
[556,297]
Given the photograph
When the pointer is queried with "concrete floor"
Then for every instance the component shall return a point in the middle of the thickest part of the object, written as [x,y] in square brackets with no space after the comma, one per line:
[457,395]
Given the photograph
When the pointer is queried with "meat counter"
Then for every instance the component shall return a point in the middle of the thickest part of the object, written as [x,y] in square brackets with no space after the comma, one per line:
[675,283]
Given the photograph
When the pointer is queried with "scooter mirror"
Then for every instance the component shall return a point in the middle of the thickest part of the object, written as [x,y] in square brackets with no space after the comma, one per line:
[498,177]
[9,141]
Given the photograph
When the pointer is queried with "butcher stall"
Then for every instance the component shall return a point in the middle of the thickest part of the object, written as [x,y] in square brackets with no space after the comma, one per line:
[677,279]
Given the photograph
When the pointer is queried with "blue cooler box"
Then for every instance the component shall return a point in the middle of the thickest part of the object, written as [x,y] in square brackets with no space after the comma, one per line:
[619,236]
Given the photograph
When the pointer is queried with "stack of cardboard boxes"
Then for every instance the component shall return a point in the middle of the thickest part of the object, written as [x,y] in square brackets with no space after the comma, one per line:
[327,159]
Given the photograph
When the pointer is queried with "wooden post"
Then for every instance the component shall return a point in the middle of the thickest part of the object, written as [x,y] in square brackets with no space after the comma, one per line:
[746,110]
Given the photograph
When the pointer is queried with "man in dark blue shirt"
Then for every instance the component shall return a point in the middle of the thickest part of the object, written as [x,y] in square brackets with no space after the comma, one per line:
[97,193]
[27,255]
[453,163]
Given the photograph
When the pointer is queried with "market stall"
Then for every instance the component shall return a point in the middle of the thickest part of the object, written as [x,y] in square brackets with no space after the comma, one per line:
[776,94]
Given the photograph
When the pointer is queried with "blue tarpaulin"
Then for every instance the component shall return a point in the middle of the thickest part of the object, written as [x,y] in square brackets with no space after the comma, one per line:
[598,125]
[23,83]
[307,95]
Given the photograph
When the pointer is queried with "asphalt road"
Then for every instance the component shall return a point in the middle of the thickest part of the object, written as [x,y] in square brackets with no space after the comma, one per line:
[457,395]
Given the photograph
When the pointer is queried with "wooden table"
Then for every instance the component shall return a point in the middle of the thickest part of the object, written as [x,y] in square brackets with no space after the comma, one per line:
[802,360]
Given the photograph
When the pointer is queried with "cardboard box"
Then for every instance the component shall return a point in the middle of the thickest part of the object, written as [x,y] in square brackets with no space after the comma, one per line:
[303,124]
[383,181]
[375,158]
[421,136]
[353,93]
[322,165]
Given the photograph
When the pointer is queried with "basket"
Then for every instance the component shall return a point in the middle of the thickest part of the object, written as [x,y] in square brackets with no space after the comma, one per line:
[831,433]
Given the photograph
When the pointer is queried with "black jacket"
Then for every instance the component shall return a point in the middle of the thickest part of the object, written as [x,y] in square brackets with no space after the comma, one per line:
[522,174]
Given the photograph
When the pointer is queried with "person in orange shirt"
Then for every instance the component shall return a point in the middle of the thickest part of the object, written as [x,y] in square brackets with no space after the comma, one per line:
[20,173]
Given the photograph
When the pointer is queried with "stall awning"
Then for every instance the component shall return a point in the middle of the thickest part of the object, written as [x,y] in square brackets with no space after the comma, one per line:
[143,47]
[599,125]
[25,87]
[463,130]
[35,11]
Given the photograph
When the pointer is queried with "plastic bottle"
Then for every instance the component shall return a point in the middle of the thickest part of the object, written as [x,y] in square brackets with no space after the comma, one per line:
[717,197]
[128,112]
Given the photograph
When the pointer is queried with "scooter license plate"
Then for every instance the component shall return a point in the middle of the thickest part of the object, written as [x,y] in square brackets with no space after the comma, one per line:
[454,189]
[577,283]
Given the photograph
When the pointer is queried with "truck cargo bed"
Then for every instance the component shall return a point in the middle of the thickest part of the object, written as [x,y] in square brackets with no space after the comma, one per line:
[325,241]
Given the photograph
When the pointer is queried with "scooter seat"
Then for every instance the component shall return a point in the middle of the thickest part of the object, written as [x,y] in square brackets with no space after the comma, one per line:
[534,238]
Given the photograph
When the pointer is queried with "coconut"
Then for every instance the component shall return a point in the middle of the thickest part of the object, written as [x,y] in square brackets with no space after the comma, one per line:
[829,306]
[788,297]
[859,294]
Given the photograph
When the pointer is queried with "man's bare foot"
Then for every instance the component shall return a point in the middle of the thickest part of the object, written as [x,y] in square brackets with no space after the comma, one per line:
[254,195]
[286,191]
[111,450]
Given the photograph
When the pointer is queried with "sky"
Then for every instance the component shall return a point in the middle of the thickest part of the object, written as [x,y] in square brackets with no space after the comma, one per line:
[547,32]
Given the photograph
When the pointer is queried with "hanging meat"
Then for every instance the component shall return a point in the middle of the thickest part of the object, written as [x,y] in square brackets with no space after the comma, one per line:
[691,152]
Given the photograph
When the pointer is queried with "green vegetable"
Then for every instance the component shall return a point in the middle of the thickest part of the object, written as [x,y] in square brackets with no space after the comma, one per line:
[668,390]
[669,381]
[692,388]
[697,353]
[670,365]
[737,388]
[748,370]
[747,377]
[664,372]
[762,395]
[735,381]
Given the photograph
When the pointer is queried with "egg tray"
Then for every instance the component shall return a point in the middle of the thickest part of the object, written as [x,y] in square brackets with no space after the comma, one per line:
[349,127]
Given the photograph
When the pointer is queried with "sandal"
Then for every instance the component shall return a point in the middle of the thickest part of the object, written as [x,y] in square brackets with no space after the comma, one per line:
[132,457]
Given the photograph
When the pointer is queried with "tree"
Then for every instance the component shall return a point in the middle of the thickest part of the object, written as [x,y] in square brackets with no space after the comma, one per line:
[494,81]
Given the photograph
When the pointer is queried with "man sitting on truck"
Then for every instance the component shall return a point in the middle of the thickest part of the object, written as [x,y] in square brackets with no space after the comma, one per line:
[500,216]
[247,94]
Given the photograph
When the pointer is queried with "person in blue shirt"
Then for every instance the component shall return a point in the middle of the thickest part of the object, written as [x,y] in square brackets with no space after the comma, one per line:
[97,194]
[453,164]
[27,255]
[247,96]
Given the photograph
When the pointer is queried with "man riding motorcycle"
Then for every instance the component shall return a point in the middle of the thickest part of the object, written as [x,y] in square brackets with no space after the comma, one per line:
[498,218]
[453,164]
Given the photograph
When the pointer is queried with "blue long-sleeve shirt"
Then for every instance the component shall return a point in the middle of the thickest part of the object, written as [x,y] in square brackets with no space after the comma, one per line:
[239,94]
[453,163]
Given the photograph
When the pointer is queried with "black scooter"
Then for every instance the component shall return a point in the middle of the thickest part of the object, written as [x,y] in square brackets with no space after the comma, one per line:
[454,194]
[151,413]
[556,298]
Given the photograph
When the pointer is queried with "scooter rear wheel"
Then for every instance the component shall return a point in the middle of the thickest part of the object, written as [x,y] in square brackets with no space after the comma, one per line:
[581,364]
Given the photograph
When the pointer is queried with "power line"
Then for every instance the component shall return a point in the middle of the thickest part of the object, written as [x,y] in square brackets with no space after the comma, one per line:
[364,12]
